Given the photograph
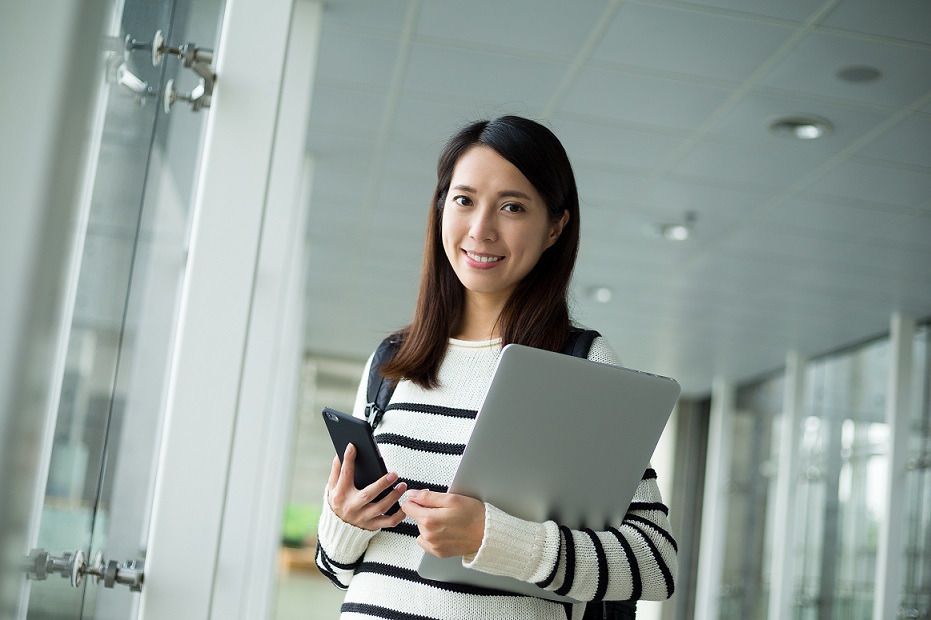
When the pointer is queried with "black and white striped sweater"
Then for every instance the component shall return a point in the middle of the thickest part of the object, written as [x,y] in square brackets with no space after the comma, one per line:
[422,437]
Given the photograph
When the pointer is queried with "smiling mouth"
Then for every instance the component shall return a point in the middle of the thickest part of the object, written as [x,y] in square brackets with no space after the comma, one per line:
[483,259]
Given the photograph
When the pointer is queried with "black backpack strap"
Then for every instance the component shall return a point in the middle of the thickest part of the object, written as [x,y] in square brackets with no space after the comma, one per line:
[580,341]
[379,390]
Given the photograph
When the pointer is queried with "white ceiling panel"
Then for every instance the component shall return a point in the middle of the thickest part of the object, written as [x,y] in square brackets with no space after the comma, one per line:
[909,20]
[879,184]
[732,162]
[795,10]
[690,42]
[493,24]
[909,142]
[652,102]
[813,65]
[385,17]
[477,76]
[625,147]
[352,58]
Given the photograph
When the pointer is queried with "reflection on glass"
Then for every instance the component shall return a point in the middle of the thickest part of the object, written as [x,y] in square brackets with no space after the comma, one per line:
[744,592]
[916,573]
[844,444]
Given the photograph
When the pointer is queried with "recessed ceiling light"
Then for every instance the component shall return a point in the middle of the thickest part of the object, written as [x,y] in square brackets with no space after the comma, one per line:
[677,231]
[601,294]
[859,74]
[800,127]
[674,232]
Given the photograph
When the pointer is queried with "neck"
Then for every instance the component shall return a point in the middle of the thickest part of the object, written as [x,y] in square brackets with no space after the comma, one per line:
[480,314]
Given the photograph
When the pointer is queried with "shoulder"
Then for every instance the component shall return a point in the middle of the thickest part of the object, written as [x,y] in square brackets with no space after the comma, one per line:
[602,352]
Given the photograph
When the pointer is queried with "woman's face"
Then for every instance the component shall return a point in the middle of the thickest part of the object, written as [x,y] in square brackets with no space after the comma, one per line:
[495,225]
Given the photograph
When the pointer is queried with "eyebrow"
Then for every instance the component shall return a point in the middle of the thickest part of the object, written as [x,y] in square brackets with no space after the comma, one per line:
[508,193]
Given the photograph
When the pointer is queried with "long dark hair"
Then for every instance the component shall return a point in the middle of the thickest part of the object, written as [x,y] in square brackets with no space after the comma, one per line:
[537,313]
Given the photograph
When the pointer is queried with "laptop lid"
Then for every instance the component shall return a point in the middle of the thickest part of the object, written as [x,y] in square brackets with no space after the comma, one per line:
[557,437]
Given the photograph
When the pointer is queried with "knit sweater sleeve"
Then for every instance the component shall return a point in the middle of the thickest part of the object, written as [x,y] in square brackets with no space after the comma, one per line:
[636,559]
[340,545]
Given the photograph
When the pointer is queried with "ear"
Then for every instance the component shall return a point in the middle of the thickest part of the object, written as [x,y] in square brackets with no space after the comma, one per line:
[556,228]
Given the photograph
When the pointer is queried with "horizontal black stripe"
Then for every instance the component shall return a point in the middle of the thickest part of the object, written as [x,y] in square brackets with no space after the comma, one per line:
[449,412]
[646,522]
[434,447]
[404,529]
[420,484]
[376,611]
[413,576]
[649,474]
[663,508]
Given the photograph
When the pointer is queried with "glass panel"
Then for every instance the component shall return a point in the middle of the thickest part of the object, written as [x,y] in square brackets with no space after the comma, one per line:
[103,460]
[743,593]
[916,573]
[843,452]
[88,393]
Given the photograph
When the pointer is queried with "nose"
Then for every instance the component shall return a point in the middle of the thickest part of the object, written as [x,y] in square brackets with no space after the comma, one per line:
[482,225]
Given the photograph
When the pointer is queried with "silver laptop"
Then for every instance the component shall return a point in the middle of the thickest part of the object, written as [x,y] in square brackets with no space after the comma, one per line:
[557,437]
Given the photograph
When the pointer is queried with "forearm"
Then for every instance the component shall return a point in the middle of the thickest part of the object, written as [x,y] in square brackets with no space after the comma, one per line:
[340,546]
[635,560]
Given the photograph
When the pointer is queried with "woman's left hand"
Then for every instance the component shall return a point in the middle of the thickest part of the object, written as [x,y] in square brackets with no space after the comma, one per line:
[449,524]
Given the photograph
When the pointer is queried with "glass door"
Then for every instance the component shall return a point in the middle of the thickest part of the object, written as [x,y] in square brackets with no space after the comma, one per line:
[93,521]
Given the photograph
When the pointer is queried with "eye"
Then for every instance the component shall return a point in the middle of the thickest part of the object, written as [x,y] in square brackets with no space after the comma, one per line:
[463,201]
[513,207]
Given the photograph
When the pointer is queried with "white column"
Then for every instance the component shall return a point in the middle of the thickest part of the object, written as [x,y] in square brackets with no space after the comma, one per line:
[714,504]
[264,431]
[898,413]
[210,356]
[782,571]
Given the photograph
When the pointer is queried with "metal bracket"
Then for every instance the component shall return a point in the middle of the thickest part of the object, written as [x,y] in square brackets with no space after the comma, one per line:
[39,564]
[192,57]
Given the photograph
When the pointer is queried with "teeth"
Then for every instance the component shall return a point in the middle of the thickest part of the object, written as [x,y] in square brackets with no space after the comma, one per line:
[484,259]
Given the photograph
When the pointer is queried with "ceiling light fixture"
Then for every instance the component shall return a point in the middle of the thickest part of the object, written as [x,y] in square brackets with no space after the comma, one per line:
[677,231]
[601,294]
[801,127]
[859,74]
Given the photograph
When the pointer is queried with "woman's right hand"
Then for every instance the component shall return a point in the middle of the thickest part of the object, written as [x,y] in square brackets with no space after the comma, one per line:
[354,506]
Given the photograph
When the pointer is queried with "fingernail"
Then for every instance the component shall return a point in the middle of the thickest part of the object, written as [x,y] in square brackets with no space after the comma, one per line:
[392,477]
[349,449]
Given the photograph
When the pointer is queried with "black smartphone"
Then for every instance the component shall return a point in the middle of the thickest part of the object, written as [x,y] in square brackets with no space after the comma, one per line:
[344,430]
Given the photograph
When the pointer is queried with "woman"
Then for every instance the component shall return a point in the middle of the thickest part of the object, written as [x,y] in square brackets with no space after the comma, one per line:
[501,244]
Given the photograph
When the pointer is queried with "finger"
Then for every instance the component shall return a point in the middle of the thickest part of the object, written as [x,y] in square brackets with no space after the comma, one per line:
[372,493]
[389,500]
[428,499]
[386,521]
[347,474]
[334,473]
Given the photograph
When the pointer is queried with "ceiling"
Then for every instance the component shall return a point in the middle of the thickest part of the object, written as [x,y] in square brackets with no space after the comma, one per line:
[663,107]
